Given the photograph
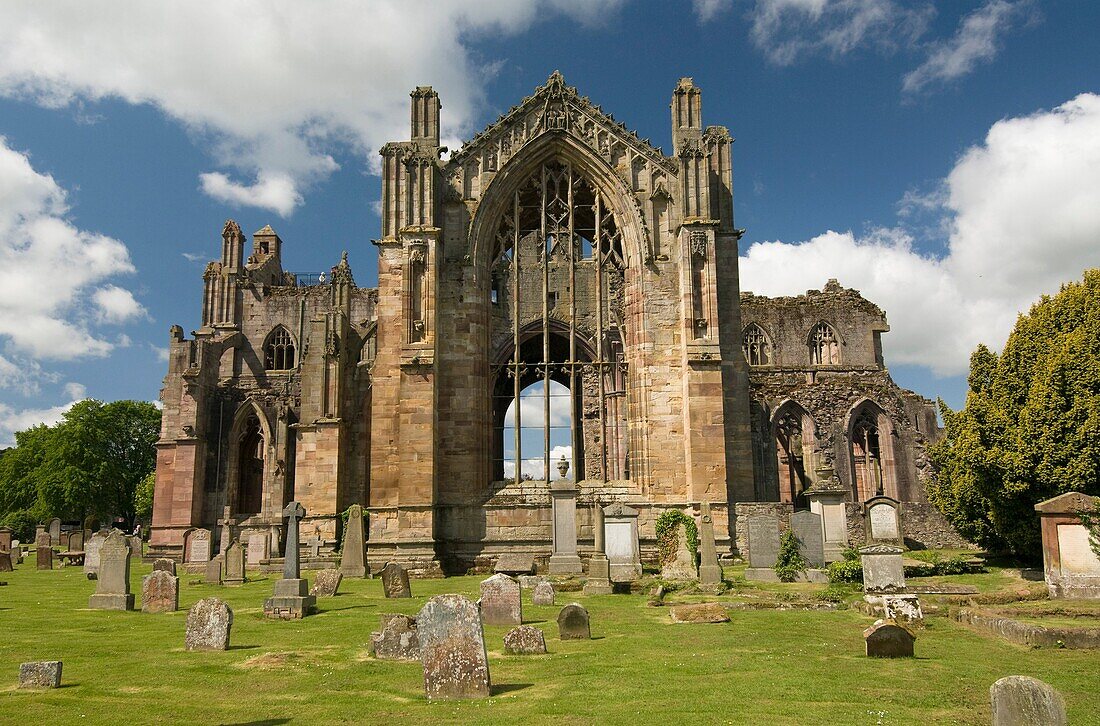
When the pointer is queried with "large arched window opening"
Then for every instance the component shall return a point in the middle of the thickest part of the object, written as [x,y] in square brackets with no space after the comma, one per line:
[557,305]
[250,467]
[871,450]
[824,346]
[795,442]
[279,350]
[756,346]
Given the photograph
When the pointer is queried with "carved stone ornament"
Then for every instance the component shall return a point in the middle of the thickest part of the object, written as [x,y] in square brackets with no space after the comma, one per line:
[698,242]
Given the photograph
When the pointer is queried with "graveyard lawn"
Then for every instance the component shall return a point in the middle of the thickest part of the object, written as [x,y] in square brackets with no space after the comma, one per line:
[763,667]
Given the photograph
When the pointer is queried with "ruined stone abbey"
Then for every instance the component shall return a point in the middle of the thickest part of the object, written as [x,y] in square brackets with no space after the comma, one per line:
[558,300]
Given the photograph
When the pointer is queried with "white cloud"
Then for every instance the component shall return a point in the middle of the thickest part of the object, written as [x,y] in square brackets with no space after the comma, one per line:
[117,305]
[535,468]
[533,407]
[76,391]
[272,90]
[23,375]
[1022,217]
[48,267]
[785,30]
[706,10]
[161,353]
[13,420]
[194,256]
[975,41]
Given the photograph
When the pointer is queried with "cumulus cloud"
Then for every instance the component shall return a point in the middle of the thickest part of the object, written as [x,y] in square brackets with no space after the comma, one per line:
[977,40]
[49,268]
[535,468]
[13,420]
[272,90]
[1021,217]
[706,10]
[116,304]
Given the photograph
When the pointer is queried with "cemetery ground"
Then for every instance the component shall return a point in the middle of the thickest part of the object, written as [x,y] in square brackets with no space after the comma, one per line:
[792,662]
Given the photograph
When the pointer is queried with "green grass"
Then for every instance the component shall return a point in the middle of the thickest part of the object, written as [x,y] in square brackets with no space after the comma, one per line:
[788,667]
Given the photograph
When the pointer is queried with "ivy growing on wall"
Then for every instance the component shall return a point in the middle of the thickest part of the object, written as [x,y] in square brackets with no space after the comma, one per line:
[666,527]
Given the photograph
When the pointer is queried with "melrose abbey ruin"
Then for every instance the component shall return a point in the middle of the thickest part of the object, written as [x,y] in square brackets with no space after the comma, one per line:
[558,318]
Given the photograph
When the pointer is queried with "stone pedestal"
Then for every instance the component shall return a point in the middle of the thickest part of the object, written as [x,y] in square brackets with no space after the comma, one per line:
[291,600]
[829,505]
[599,568]
[621,538]
[564,559]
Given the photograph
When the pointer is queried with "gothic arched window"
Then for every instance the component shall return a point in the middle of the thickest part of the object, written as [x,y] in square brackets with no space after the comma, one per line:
[279,350]
[756,346]
[824,346]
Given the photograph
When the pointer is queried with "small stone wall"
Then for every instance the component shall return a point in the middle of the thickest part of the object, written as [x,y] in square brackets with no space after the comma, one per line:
[1035,636]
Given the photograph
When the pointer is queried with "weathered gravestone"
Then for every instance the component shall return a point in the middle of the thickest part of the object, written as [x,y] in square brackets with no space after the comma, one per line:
[882,520]
[903,609]
[710,572]
[811,543]
[524,640]
[1070,565]
[515,564]
[395,581]
[135,545]
[6,535]
[259,544]
[212,575]
[208,624]
[291,599]
[573,623]
[326,583]
[702,612]
[76,541]
[40,674]
[234,564]
[831,504]
[91,554]
[887,639]
[16,552]
[500,601]
[681,564]
[397,640]
[543,594]
[883,570]
[353,557]
[198,545]
[44,551]
[164,564]
[621,542]
[452,649]
[762,533]
[112,589]
[5,561]
[54,528]
[1024,701]
[160,592]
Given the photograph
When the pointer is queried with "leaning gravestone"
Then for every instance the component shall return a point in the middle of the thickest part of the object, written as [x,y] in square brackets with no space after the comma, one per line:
[452,649]
[160,592]
[500,601]
[1024,701]
[91,554]
[763,540]
[40,674]
[353,559]
[326,583]
[234,564]
[112,589]
[397,640]
[164,564]
[515,564]
[681,566]
[44,551]
[889,640]
[524,640]
[883,570]
[208,624]
[811,538]
[573,623]
[395,581]
[543,594]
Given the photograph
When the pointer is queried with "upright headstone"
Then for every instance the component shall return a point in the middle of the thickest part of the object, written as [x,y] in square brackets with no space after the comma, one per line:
[112,590]
[681,566]
[44,551]
[226,523]
[91,524]
[91,554]
[5,561]
[291,600]
[54,528]
[452,649]
[883,571]
[39,529]
[1024,701]
[1070,565]
[353,557]
[543,594]
[16,552]
[326,583]
[500,601]
[887,639]
[762,532]
[395,581]
[258,543]
[830,505]
[621,542]
[214,571]
[524,640]
[76,541]
[573,623]
[563,501]
[208,624]
[165,564]
[598,581]
[6,538]
[397,640]
[199,546]
[234,564]
[40,674]
[882,521]
[710,572]
[809,533]
[160,592]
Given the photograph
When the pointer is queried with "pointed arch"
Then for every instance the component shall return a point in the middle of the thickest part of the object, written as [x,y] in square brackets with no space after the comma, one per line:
[871,452]
[794,434]
[248,474]
[756,345]
[824,344]
[280,350]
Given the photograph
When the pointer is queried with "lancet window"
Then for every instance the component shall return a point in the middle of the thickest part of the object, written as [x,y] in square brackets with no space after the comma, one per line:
[824,346]
[756,346]
[279,350]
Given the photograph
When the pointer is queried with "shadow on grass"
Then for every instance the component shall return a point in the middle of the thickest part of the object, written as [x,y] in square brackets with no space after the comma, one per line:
[348,607]
[264,722]
[502,688]
[534,622]
[243,647]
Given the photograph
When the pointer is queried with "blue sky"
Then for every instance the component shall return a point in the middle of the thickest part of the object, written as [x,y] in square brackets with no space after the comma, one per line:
[943,157]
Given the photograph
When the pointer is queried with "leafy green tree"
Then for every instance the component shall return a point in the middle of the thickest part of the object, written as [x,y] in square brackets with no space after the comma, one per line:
[1030,429]
[143,499]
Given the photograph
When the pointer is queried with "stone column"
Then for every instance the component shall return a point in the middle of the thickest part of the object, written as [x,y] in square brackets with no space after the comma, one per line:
[599,577]
[563,558]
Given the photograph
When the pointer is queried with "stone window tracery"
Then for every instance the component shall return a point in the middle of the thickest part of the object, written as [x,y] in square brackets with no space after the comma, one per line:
[756,346]
[824,346]
[279,350]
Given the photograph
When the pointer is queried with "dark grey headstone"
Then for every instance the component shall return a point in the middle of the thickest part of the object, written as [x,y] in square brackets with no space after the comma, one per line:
[889,640]
[1024,701]
[112,590]
[40,674]
[395,581]
[573,623]
[208,624]
[811,538]
[160,592]
[500,601]
[397,640]
[234,564]
[452,649]
[524,640]
[763,540]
